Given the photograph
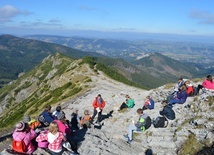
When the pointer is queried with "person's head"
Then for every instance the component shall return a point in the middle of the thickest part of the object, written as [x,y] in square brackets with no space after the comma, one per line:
[127,96]
[180,79]
[140,111]
[26,119]
[187,82]
[53,128]
[48,108]
[147,97]
[182,88]
[21,126]
[86,112]
[148,152]
[58,108]
[209,78]
[61,116]
[164,103]
[99,96]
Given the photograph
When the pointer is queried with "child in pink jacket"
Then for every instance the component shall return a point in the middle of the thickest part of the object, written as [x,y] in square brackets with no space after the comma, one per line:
[23,132]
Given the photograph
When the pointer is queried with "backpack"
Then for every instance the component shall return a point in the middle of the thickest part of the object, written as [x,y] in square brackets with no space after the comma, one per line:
[148,122]
[19,146]
[42,120]
[160,122]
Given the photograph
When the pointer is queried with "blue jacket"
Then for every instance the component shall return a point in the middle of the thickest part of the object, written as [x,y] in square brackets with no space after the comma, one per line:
[151,104]
[182,96]
[168,112]
[48,116]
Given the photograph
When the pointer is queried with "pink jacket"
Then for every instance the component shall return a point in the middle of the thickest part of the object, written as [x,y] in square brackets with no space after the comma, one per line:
[208,84]
[27,136]
[63,127]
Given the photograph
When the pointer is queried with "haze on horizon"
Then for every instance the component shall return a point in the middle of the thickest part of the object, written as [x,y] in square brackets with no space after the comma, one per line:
[139,19]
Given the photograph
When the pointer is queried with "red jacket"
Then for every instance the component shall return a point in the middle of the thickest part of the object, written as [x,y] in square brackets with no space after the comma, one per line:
[96,104]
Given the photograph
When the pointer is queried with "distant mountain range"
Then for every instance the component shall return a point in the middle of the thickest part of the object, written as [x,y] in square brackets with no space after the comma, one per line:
[151,70]
[191,52]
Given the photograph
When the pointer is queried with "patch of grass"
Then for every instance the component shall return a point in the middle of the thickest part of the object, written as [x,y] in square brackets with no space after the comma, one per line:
[191,146]
[137,137]
[169,86]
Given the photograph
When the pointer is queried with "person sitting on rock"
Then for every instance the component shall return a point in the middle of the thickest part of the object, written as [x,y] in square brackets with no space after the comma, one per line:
[75,120]
[32,123]
[98,105]
[129,103]
[138,126]
[65,129]
[62,124]
[85,121]
[48,115]
[55,139]
[149,103]
[178,85]
[208,84]
[57,112]
[167,111]
[190,89]
[180,97]
[22,138]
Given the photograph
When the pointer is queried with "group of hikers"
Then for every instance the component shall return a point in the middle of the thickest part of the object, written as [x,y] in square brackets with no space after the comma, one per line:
[182,90]
[53,132]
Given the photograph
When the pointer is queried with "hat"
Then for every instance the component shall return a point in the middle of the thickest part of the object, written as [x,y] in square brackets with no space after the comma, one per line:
[20,126]
[26,119]
[60,116]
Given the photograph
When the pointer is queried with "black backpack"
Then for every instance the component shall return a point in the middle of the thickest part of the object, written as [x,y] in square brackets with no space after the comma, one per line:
[42,120]
[160,122]
[148,122]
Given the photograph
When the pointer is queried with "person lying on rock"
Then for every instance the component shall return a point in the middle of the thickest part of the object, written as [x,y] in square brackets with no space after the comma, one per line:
[167,111]
[137,126]
[180,97]
[149,103]
[129,103]
[98,105]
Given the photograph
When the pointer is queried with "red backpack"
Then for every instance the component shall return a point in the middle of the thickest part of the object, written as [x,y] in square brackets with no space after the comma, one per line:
[19,146]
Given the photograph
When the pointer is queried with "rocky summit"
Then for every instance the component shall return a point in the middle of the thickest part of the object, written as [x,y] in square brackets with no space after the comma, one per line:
[190,132]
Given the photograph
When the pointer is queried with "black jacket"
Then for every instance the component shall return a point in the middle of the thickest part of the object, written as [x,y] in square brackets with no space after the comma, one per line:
[168,112]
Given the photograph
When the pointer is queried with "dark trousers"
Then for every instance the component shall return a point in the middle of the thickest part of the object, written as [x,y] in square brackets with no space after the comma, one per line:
[200,87]
[123,106]
[99,118]
[144,107]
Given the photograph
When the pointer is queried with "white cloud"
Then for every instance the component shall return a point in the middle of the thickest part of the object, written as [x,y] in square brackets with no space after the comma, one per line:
[203,17]
[8,12]
[87,8]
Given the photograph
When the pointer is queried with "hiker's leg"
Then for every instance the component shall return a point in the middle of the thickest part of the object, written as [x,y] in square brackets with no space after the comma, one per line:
[123,106]
[174,101]
[99,118]
[94,114]
[132,127]
[144,107]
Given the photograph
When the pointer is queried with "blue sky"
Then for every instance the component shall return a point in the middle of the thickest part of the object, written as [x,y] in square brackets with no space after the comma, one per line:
[68,17]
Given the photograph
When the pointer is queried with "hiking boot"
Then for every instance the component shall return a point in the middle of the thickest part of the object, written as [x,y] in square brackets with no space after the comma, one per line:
[129,141]
[126,136]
